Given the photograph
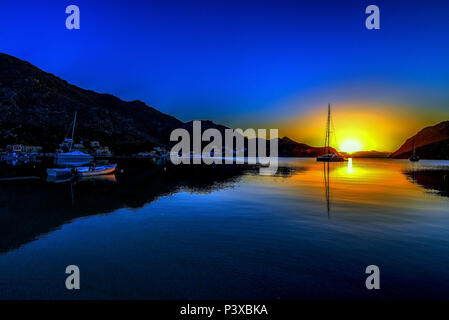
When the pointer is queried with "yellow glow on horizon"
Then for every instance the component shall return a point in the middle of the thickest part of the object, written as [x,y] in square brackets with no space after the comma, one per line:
[350,146]
[358,127]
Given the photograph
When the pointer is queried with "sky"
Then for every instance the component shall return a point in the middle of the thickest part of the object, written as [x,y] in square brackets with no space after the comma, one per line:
[259,64]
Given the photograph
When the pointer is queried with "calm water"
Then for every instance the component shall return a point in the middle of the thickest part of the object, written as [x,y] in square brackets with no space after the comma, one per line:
[308,232]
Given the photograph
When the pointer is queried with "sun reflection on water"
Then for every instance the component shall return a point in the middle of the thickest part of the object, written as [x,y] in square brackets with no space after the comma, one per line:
[350,170]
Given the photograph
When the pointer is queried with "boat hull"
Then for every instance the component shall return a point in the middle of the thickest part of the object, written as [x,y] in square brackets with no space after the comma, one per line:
[330,158]
[74,158]
[59,172]
[57,179]
[88,172]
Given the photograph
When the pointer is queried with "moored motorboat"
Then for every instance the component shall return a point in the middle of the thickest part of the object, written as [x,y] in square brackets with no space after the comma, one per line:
[95,171]
[73,157]
[60,172]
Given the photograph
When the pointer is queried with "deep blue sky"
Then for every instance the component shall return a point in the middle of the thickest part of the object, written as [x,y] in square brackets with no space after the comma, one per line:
[239,62]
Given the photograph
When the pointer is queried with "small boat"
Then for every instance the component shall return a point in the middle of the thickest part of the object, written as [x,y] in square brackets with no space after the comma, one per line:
[95,171]
[74,157]
[60,172]
[329,156]
[414,157]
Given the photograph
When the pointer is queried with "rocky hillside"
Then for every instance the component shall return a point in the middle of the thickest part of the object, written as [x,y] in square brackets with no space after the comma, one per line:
[37,108]
[431,143]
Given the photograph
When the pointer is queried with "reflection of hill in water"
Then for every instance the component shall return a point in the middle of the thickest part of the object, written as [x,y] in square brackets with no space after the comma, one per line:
[31,208]
[283,171]
[432,180]
[287,172]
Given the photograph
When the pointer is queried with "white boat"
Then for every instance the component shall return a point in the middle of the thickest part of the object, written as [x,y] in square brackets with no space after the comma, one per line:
[72,158]
[95,171]
[329,156]
[59,172]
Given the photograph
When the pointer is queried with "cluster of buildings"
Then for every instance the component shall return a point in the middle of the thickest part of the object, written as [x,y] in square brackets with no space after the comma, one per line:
[20,148]
[20,151]
[94,148]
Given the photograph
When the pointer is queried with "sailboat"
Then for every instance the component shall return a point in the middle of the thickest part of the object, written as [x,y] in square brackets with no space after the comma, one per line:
[329,156]
[72,157]
[414,157]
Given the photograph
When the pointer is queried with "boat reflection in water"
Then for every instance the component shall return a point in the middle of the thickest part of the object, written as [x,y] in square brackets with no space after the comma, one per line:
[309,231]
[326,177]
[327,181]
[434,179]
[40,205]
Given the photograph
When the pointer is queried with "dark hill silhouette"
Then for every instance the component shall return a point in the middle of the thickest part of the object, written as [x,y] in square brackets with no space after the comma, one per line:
[37,108]
[431,143]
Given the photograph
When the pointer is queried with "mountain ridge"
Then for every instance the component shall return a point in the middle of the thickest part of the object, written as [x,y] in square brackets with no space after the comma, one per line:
[37,108]
[43,105]
[432,142]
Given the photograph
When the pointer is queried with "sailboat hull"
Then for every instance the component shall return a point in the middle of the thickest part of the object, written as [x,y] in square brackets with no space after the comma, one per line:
[55,172]
[74,158]
[330,159]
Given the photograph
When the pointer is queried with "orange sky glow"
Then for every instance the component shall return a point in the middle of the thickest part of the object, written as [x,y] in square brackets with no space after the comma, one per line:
[360,126]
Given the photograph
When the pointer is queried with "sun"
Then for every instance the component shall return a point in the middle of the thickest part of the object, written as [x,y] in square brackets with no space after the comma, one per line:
[350,146]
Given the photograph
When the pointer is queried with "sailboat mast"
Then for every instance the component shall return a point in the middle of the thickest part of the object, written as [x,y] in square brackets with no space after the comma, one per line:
[414,148]
[328,128]
[73,132]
